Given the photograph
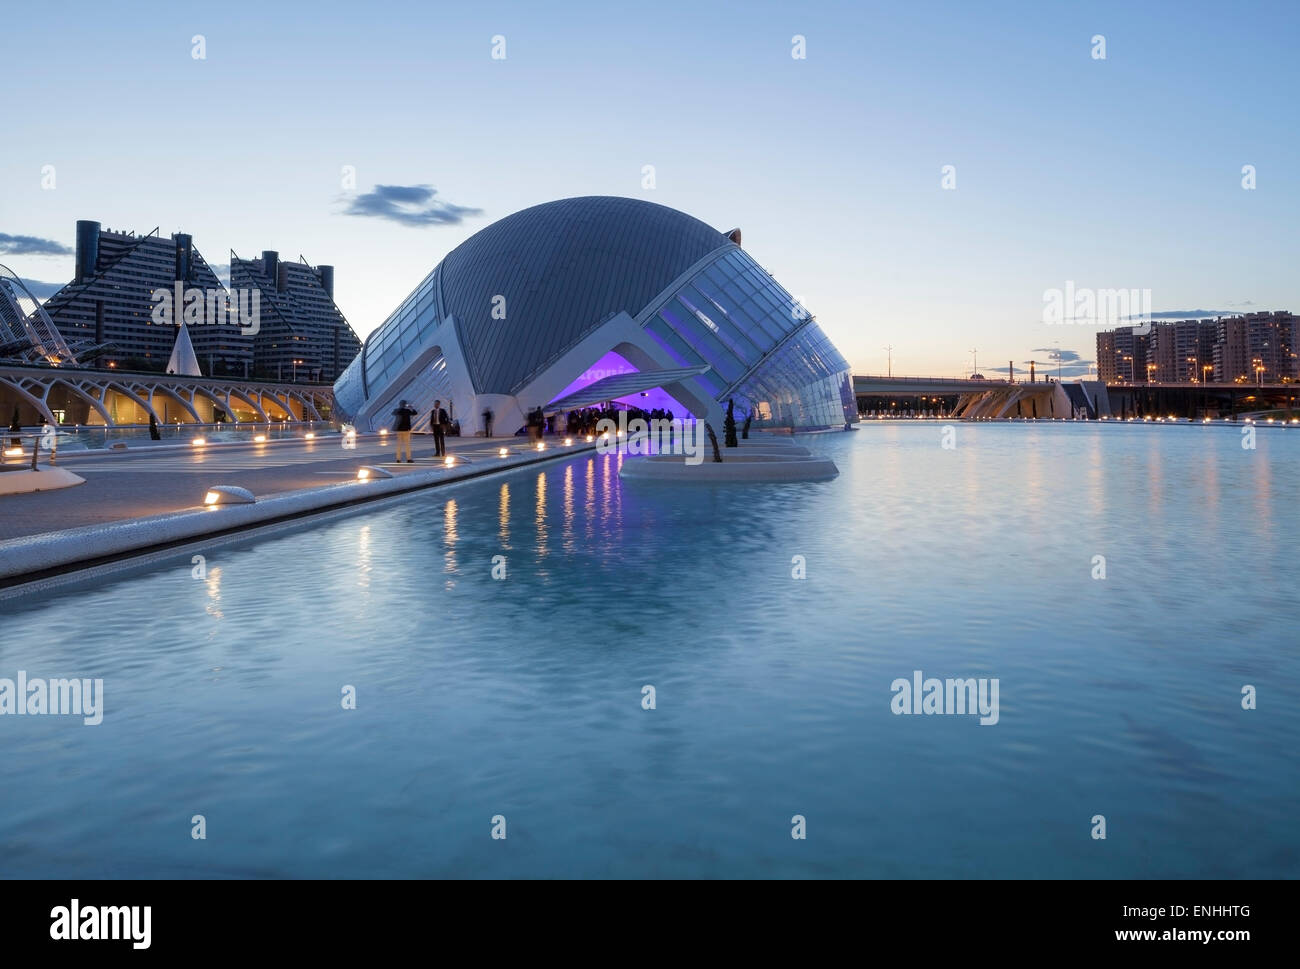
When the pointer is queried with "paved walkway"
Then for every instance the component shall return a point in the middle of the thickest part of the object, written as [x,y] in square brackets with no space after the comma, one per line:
[129,484]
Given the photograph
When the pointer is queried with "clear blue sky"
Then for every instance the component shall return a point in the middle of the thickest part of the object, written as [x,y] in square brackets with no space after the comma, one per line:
[1123,172]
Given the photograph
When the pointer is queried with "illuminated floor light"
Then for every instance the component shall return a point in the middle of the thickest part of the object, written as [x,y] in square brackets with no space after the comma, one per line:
[590,438]
[310,436]
[372,473]
[228,495]
[259,438]
[198,442]
[504,452]
[568,442]
[449,461]
[541,446]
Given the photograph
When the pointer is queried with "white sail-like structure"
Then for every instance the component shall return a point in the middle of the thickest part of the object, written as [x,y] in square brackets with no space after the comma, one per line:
[183,361]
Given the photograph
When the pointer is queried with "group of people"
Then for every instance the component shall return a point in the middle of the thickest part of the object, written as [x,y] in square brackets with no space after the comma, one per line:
[585,421]
[439,424]
[574,423]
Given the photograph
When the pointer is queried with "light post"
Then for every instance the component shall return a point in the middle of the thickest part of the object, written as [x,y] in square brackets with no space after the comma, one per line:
[295,370]
[889,359]
[975,361]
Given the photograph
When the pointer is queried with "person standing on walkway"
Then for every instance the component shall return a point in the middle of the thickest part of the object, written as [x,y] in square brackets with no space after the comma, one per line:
[402,425]
[438,421]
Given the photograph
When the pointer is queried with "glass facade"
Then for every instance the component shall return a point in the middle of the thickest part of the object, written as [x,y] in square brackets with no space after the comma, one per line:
[764,349]
[387,350]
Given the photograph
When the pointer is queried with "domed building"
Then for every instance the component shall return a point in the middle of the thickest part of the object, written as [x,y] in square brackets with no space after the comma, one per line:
[586,300]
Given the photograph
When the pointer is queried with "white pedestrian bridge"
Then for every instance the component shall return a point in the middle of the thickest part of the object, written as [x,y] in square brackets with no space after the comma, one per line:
[62,395]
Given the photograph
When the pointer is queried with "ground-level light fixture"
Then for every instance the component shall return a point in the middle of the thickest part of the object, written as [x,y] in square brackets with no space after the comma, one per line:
[228,495]
[541,446]
[198,442]
[590,438]
[504,452]
[259,438]
[383,432]
[310,436]
[372,473]
[568,442]
[449,460]
[13,452]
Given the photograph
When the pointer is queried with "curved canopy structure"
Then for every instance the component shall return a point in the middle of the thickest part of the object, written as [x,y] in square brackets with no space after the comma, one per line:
[28,333]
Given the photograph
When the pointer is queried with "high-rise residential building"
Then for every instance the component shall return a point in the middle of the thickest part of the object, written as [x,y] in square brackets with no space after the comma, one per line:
[1122,355]
[111,300]
[1182,350]
[1255,347]
[1258,347]
[302,333]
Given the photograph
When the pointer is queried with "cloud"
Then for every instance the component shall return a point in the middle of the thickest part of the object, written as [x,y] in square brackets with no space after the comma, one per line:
[40,290]
[1244,302]
[31,246]
[409,205]
[1072,364]
[1067,356]
[222,271]
[1182,314]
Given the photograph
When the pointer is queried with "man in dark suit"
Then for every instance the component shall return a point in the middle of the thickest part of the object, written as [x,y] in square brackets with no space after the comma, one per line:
[438,422]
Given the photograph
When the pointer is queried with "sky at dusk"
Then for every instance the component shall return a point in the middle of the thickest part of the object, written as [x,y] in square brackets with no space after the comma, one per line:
[1123,172]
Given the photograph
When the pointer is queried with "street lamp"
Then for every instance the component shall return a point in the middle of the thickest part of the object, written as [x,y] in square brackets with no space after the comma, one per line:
[295,370]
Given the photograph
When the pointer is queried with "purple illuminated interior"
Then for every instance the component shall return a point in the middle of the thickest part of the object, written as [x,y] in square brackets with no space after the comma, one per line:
[612,364]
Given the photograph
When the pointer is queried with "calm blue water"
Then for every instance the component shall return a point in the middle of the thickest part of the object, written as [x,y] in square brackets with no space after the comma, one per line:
[522,697]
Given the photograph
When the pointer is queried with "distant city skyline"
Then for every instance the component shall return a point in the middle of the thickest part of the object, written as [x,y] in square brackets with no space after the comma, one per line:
[381,154]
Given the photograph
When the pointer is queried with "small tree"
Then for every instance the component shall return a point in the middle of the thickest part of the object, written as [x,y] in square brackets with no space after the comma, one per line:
[729,425]
[713,439]
[744,431]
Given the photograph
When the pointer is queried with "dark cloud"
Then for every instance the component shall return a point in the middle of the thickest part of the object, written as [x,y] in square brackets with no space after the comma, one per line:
[1181,314]
[1072,364]
[409,205]
[1067,356]
[40,290]
[31,246]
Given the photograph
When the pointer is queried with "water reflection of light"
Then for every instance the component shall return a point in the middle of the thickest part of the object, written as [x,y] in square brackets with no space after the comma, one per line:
[541,513]
[1096,476]
[503,515]
[568,507]
[589,506]
[364,557]
[213,583]
[1263,482]
[605,496]
[449,536]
